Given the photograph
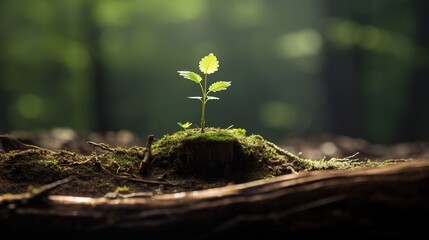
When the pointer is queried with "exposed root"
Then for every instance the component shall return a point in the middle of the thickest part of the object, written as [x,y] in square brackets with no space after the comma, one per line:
[102,146]
[136,179]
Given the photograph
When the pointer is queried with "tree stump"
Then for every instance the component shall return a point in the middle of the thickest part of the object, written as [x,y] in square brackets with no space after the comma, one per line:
[213,158]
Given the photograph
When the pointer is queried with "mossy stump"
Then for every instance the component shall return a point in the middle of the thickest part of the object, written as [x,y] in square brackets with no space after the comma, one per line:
[214,153]
[231,154]
[212,158]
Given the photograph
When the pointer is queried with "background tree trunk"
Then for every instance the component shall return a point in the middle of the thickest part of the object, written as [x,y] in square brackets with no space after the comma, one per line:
[98,70]
[342,76]
[418,98]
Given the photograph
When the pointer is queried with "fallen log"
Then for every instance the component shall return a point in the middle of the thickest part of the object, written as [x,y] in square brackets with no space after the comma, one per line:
[389,202]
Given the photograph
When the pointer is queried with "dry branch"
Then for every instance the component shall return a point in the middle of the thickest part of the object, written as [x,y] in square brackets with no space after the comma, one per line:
[381,202]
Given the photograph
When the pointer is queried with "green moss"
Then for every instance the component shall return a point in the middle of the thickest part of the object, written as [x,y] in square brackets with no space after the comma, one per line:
[122,158]
[29,154]
[266,159]
[51,163]
[229,155]
[37,165]
[122,189]
[252,144]
[220,152]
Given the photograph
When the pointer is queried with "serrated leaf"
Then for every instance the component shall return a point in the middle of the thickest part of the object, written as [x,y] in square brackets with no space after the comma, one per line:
[212,98]
[198,98]
[190,75]
[219,86]
[209,64]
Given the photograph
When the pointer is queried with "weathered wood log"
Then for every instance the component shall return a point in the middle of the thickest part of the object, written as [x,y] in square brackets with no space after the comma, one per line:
[390,202]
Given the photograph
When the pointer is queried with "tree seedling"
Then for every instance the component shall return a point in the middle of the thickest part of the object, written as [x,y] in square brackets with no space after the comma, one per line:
[185,125]
[208,65]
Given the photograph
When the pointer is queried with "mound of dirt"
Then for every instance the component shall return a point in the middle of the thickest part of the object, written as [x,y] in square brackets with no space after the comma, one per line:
[180,162]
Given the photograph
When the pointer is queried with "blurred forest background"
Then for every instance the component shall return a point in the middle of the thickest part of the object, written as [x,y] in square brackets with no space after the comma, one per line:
[298,67]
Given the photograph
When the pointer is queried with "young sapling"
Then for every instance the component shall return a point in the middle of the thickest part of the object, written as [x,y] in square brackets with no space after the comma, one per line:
[208,65]
[185,125]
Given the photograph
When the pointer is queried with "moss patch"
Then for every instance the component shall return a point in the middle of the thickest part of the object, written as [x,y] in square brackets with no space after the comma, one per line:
[183,161]
[230,153]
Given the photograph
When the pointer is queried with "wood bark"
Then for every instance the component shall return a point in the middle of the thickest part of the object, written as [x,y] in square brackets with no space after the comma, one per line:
[389,202]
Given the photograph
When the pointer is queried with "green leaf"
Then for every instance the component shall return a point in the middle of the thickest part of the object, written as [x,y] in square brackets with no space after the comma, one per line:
[197,98]
[190,75]
[185,125]
[209,64]
[212,98]
[219,86]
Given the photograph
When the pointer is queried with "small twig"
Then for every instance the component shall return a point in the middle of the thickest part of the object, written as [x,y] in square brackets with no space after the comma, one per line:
[282,151]
[137,194]
[101,145]
[149,181]
[351,156]
[116,194]
[136,179]
[143,164]
[87,159]
[292,170]
[37,195]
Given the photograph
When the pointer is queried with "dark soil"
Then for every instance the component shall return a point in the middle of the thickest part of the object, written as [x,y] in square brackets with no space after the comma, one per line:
[95,174]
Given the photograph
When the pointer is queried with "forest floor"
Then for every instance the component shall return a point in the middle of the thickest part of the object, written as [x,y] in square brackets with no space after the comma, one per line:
[92,179]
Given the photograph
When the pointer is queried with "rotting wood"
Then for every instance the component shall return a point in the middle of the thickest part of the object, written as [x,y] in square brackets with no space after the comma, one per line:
[143,165]
[383,202]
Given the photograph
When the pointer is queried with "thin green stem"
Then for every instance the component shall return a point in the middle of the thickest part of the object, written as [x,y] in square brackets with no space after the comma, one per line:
[204,101]
[205,83]
[203,110]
